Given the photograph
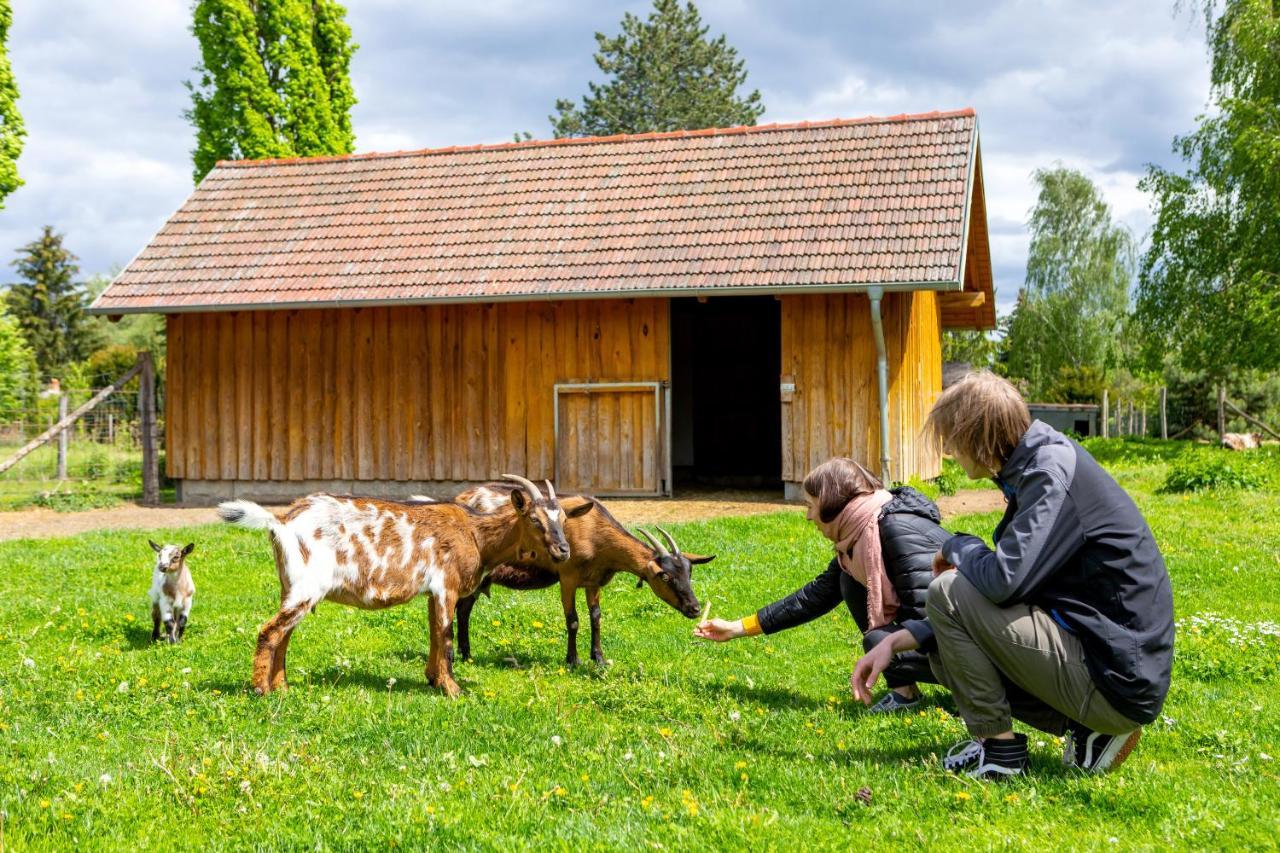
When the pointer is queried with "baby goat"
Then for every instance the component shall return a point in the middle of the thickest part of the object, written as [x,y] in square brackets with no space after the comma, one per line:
[171,591]
[601,547]
[372,553]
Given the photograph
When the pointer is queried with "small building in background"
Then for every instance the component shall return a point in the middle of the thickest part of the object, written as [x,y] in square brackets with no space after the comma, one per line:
[1079,418]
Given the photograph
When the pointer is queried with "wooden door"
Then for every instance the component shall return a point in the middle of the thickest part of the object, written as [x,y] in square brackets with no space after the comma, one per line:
[611,438]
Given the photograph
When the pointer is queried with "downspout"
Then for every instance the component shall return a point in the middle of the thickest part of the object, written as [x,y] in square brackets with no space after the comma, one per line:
[876,293]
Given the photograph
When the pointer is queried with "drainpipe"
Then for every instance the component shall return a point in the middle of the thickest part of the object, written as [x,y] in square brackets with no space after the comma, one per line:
[882,381]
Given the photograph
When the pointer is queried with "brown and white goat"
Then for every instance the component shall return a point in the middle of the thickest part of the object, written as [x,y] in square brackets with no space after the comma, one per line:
[171,591]
[601,548]
[371,553]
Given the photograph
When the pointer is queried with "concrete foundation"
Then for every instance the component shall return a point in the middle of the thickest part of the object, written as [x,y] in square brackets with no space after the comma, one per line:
[210,492]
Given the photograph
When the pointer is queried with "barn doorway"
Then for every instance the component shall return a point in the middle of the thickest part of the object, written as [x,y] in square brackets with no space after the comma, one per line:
[726,420]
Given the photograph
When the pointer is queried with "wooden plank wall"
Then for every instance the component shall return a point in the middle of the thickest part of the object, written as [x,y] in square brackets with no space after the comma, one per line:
[828,347]
[452,392]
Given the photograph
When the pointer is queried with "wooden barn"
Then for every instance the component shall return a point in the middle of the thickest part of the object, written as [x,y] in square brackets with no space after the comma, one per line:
[630,315]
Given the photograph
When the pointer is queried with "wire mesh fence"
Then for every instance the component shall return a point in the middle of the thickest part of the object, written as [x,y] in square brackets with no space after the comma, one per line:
[94,462]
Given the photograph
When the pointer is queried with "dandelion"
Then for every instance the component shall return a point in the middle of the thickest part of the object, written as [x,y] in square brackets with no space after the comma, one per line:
[66,816]
[559,791]
[102,735]
[128,617]
[359,795]
[734,716]
[690,803]
[665,732]
[44,804]
[28,663]
[962,796]
[79,695]
[217,692]
[740,765]
[744,777]
[391,682]
[497,623]
[831,700]
[840,745]
[537,624]
[628,756]
[586,777]
[142,681]
[104,779]
[556,740]
[1012,798]
[646,802]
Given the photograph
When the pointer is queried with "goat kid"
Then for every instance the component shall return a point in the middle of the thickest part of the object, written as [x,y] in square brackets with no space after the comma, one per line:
[601,547]
[171,591]
[372,553]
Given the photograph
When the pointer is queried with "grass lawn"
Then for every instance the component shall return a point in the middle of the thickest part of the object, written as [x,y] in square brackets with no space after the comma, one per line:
[109,742]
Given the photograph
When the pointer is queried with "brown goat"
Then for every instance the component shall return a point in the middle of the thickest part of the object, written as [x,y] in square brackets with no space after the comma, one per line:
[372,554]
[600,547]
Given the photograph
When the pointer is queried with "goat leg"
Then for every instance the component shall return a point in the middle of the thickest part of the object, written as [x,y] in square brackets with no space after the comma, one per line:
[567,594]
[182,626]
[463,621]
[270,638]
[155,623]
[170,630]
[439,671]
[593,608]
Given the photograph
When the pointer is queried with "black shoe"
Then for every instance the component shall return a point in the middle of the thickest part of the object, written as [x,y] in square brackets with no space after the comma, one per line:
[1094,752]
[988,759]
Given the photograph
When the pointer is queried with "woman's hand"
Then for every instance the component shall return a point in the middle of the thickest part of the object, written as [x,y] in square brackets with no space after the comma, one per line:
[719,630]
[940,564]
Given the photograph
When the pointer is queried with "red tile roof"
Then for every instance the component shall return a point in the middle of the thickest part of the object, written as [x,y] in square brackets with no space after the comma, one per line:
[837,205]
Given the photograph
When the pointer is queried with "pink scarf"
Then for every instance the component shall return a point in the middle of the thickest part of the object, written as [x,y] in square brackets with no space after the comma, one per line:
[856,534]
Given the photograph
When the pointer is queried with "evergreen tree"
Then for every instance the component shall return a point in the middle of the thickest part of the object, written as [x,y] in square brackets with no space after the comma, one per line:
[1079,267]
[1210,282]
[11,128]
[274,80]
[49,306]
[663,74]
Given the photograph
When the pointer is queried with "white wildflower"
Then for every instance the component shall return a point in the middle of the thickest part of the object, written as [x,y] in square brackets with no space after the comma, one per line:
[734,716]
[105,778]
[555,740]
[123,687]
[391,682]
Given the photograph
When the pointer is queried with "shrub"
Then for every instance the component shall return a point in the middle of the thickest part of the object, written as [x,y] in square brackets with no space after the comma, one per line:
[1210,468]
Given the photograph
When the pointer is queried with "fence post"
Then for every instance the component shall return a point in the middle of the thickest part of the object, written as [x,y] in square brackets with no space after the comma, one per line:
[1105,412]
[147,406]
[1164,412]
[1222,411]
[63,438]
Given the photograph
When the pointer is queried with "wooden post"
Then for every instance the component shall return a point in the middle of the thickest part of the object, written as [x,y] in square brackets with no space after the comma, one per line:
[1119,409]
[147,406]
[1222,411]
[1251,419]
[1142,430]
[63,438]
[1164,412]
[1106,394]
[1129,424]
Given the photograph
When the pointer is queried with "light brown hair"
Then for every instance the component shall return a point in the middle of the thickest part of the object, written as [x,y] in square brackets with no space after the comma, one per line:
[982,416]
[836,482]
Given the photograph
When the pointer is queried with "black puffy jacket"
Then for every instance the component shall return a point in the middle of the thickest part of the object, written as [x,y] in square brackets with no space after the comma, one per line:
[910,534]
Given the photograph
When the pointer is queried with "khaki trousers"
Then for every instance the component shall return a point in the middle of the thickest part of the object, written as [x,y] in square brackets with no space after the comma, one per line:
[1002,663]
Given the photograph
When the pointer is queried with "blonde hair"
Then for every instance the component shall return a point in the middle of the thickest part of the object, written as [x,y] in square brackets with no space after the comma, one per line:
[836,482]
[982,416]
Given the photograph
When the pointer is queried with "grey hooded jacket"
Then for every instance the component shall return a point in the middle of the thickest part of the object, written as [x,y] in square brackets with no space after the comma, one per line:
[1073,543]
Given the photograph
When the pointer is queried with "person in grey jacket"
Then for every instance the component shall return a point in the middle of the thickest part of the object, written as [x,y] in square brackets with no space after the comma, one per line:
[906,527]
[1067,624]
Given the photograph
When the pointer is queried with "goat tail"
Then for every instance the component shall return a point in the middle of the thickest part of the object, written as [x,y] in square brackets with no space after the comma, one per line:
[248,515]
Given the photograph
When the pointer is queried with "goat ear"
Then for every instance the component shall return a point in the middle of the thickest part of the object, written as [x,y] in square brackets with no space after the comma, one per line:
[154,546]
[191,546]
[699,559]
[579,511]
[520,501]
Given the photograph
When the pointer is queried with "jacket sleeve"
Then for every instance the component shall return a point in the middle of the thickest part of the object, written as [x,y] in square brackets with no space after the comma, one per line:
[816,598]
[1042,534]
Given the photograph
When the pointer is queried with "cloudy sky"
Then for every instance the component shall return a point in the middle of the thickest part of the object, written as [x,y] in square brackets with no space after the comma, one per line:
[1101,85]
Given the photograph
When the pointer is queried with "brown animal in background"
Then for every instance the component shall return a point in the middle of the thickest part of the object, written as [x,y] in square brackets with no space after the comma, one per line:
[601,547]
[1241,440]
[171,591]
[372,553]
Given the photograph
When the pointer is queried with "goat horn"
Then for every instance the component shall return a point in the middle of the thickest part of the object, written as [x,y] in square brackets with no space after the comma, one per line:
[652,541]
[528,486]
[675,549]
[551,491]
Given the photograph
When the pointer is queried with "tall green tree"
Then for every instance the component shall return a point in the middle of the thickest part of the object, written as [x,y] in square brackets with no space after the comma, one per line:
[12,130]
[1209,287]
[663,74]
[19,379]
[1080,265]
[274,80]
[49,305]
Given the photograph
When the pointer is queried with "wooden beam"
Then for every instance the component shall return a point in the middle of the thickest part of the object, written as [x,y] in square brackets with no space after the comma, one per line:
[965,299]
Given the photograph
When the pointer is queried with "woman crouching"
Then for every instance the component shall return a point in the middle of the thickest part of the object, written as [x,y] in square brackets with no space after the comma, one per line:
[884,543]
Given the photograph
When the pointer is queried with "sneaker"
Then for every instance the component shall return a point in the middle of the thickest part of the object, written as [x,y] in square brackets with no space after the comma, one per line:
[989,759]
[892,702]
[1094,752]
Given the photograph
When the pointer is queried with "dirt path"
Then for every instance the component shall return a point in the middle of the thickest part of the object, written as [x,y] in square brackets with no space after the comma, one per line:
[45,523]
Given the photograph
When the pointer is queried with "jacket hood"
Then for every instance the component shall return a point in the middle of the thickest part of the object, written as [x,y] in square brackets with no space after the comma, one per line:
[1038,435]
[908,500]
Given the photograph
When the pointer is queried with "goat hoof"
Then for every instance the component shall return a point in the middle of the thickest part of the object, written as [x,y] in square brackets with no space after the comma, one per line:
[450,688]
[573,661]
[599,659]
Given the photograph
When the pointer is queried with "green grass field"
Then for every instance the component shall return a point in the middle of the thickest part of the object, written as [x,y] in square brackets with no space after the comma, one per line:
[98,475]
[109,742]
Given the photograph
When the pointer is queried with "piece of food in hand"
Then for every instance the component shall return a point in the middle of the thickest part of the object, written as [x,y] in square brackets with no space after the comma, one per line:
[706,611]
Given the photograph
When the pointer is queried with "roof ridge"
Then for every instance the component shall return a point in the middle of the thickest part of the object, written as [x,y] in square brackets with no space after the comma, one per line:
[620,137]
